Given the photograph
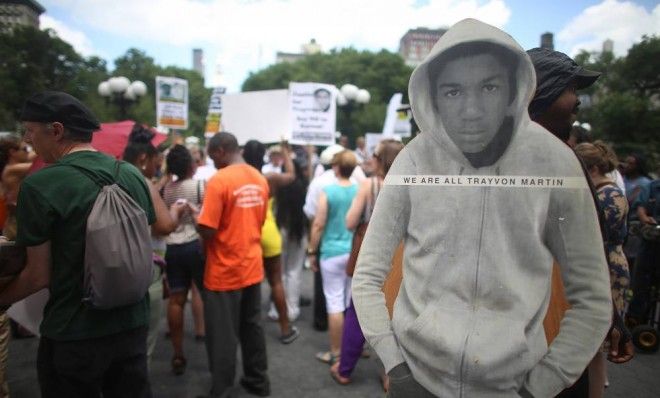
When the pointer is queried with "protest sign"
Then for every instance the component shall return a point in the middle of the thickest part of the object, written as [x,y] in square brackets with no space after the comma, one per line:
[171,102]
[371,140]
[312,113]
[215,111]
[397,123]
[258,115]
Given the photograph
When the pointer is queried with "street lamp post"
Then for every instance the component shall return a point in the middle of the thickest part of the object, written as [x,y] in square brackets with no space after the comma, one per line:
[349,98]
[120,91]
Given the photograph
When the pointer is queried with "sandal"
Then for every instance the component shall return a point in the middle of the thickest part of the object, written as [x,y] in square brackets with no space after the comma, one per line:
[339,379]
[178,365]
[327,357]
[291,336]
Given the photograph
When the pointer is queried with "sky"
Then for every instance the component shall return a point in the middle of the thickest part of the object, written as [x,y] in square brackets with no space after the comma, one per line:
[243,36]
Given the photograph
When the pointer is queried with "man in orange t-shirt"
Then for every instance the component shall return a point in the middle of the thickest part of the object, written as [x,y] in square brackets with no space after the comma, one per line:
[230,222]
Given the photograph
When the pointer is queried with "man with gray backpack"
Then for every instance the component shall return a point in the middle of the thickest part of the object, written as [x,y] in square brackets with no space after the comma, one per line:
[84,222]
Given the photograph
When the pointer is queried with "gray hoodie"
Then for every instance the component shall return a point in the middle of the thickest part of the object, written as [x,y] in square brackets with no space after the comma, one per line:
[478,255]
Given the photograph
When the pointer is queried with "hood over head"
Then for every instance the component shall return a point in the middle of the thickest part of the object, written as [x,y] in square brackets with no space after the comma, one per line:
[472,91]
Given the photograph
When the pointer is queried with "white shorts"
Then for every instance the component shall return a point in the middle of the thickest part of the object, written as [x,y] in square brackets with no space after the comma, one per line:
[336,284]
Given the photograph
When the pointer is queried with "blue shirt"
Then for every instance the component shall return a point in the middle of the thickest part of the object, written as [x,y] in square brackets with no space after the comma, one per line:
[337,239]
[648,197]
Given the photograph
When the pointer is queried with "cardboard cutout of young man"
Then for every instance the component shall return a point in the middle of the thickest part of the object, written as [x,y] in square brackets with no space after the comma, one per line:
[468,320]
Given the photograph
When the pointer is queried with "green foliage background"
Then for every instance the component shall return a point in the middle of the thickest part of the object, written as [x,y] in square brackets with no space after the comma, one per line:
[33,60]
[626,98]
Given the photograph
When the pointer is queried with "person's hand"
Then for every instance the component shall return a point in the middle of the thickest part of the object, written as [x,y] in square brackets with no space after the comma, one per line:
[193,209]
[650,220]
[179,207]
[313,262]
[621,349]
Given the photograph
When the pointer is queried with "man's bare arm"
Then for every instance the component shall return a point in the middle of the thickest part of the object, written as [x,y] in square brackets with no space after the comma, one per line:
[206,232]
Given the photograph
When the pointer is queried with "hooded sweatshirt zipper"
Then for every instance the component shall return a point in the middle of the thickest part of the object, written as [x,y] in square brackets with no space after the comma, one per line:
[463,365]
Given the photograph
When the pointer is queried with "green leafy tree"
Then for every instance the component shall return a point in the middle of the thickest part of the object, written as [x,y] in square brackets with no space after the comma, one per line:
[626,99]
[33,60]
[382,74]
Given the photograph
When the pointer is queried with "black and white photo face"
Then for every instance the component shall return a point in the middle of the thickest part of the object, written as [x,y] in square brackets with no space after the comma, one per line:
[472,98]
[323,99]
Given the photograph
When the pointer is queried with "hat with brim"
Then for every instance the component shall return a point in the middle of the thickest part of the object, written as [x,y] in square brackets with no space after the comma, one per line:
[56,106]
[585,77]
[329,153]
[555,71]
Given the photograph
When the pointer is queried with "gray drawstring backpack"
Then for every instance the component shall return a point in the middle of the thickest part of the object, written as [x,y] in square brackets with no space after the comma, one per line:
[118,265]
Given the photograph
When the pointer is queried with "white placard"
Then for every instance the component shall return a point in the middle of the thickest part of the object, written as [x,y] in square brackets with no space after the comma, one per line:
[171,102]
[313,113]
[371,140]
[30,311]
[396,123]
[257,115]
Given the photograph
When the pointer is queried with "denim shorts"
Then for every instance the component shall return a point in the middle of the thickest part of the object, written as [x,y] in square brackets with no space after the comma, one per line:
[185,264]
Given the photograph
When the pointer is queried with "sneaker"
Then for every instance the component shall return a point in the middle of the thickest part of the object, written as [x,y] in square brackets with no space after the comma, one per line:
[291,336]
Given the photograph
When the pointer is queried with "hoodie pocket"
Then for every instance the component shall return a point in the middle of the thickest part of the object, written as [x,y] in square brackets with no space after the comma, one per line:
[498,354]
[435,340]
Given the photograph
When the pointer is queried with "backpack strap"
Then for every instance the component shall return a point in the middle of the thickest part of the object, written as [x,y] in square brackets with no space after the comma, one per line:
[95,178]
[117,167]
[98,179]
[199,192]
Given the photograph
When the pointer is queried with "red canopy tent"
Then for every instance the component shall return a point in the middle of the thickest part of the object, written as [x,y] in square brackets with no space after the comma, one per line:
[111,140]
[113,137]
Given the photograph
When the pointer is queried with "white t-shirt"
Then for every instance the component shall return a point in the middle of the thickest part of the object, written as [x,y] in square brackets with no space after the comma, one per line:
[270,168]
[204,173]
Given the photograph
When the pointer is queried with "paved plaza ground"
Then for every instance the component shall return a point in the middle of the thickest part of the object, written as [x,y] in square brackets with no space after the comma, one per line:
[293,370]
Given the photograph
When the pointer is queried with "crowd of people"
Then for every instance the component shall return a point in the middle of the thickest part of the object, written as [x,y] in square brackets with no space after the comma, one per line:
[505,290]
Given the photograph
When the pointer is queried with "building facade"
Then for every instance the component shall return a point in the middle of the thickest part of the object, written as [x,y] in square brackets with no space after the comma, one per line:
[198,60]
[19,13]
[415,45]
[308,48]
[548,41]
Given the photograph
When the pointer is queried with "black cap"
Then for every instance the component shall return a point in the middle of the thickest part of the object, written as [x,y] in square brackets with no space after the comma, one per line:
[554,72]
[56,106]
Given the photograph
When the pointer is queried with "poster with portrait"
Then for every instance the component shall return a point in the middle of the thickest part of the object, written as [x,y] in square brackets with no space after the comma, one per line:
[215,111]
[171,102]
[313,113]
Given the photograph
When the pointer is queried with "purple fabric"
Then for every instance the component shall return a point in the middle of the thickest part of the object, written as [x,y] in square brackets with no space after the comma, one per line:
[352,342]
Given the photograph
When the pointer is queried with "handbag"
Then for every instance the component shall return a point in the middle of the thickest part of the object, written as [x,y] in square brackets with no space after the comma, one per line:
[361,229]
